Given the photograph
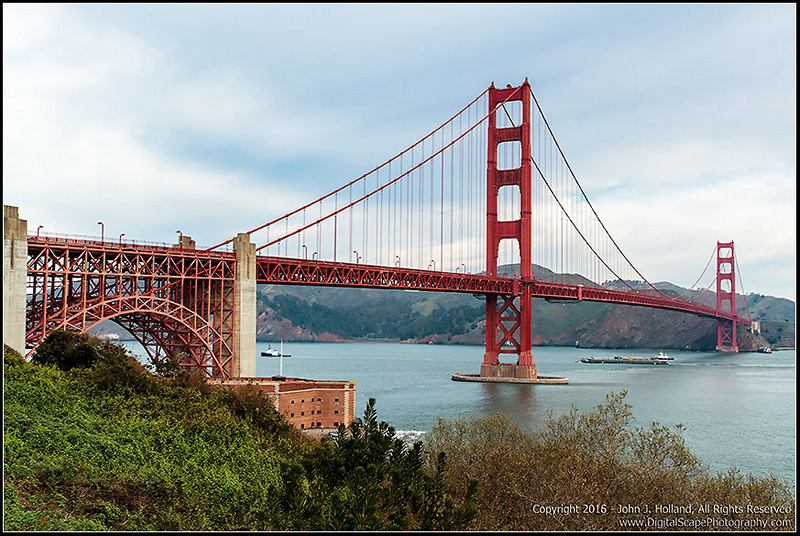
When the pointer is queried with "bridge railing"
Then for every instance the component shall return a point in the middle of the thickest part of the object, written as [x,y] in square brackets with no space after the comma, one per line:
[105,242]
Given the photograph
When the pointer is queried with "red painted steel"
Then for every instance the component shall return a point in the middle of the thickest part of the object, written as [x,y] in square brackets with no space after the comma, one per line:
[285,271]
[281,271]
[499,307]
[171,300]
[726,273]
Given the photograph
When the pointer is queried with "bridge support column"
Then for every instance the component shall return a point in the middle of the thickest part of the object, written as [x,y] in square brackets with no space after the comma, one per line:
[15,276]
[508,324]
[726,292]
[244,341]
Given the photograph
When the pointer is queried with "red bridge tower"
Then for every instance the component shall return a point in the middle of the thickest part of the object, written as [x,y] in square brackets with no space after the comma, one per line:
[726,292]
[508,325]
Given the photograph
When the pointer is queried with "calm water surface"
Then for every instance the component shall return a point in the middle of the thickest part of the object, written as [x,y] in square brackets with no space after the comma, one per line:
[737,409]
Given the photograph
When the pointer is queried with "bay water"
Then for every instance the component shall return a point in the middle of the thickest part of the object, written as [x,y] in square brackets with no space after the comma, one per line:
[737,410]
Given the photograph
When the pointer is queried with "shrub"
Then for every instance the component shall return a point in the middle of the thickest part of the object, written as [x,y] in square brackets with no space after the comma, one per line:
[594,462]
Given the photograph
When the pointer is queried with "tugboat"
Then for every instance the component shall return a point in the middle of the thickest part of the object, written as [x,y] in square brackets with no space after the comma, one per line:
[269,352]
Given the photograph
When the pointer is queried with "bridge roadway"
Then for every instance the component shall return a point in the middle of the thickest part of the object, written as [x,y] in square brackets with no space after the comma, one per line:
[282,271]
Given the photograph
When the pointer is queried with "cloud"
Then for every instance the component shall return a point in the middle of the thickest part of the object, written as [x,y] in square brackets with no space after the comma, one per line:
[214,119]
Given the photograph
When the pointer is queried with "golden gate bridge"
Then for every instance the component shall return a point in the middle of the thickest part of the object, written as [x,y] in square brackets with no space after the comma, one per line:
[471,207]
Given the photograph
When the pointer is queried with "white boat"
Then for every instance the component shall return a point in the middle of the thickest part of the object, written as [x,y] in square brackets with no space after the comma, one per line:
[661,355]
[269,352]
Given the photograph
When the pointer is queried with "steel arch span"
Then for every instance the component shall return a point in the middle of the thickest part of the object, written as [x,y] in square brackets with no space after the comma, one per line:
[162,327]
[172,301]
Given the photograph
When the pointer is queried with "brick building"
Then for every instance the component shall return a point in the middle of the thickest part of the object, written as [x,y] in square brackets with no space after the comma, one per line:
[307,404]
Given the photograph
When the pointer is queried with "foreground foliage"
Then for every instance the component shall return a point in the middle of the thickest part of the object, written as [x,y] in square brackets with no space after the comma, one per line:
[95,441]
[594,471]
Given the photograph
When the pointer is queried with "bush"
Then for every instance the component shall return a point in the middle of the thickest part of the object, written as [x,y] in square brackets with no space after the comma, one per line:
[594,462]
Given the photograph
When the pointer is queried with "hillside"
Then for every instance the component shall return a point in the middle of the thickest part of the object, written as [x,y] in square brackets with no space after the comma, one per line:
[293,313]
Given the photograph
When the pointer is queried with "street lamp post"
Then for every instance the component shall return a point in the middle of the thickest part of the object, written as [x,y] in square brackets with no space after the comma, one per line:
[102,231]
[120,240]
[38,229]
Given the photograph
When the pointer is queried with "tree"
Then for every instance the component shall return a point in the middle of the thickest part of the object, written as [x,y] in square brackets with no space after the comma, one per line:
[369,479]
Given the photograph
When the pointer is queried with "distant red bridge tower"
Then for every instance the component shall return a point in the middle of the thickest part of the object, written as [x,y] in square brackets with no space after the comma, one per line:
[726,292]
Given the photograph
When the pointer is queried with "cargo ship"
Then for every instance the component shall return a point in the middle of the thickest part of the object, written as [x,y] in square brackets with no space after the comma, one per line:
[633,360]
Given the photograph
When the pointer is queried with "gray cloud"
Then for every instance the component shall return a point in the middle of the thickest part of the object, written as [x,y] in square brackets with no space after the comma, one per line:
[213,119]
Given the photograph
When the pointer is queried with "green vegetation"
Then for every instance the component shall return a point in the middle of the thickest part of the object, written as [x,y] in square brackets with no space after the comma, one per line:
[382,319]
[95,441]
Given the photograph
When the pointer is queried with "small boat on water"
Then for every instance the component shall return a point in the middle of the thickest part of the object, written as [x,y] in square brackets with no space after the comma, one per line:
[632,360]
[661,355]
[764,350]
[270,352]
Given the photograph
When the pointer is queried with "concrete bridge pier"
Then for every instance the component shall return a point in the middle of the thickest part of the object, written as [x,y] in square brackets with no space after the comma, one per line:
[244,341]
[15,276]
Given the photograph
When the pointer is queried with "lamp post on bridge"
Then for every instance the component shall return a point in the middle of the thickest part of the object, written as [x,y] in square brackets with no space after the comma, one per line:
[120,240]
[38,229]
[357,256]
[102,231]
[305,252]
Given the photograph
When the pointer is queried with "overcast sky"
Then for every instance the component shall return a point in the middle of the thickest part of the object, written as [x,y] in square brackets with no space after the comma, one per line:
[678,120]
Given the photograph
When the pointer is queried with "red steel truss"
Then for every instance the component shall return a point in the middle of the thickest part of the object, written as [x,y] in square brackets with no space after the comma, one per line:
[276,270]
[281,271]
[171,300]
[499,307]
